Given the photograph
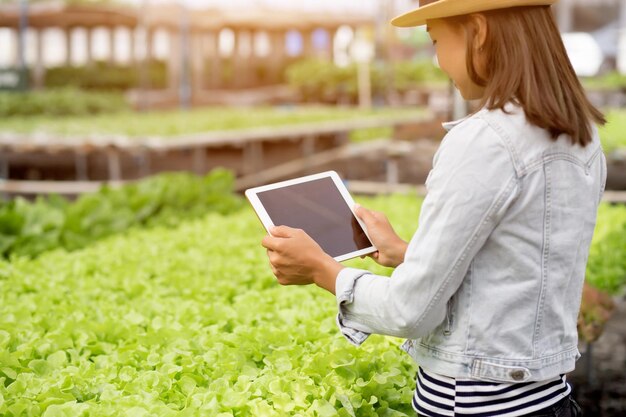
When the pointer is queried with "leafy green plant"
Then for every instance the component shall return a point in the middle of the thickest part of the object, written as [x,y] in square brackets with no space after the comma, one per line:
[59,102]
[606,267]
[102,75]
[320,80]
[189,321]
[323,81]
[185,322]
[611,81]
[28,229]
[173,123]
[613,134]
[413,74]
[365,135]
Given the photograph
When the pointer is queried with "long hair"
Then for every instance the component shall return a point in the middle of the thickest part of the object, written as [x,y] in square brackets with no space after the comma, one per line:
[526,63]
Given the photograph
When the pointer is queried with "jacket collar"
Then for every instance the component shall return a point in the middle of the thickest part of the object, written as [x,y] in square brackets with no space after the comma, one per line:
[450,125]
[508,108]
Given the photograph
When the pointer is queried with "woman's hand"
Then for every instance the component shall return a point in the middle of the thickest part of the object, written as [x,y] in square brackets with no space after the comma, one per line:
[391,248]
[296,259]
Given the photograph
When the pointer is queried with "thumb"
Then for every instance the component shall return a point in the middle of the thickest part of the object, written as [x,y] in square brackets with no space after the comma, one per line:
[363,213]
[282,231]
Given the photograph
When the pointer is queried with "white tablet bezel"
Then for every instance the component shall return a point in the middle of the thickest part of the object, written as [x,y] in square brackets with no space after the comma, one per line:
[251,195]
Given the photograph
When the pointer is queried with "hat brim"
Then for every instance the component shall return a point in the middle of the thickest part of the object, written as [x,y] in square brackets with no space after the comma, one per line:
[449,8]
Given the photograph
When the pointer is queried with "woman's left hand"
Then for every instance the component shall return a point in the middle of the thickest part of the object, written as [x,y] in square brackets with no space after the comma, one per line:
[296,259]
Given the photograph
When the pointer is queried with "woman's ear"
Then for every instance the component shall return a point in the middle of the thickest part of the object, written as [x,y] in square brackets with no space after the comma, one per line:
[480,24]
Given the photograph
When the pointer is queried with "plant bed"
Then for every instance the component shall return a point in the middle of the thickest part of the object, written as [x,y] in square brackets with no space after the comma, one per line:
[601,389]
[188,321]
[170,124]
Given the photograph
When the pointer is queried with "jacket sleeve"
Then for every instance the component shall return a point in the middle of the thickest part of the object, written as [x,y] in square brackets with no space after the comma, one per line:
[471,185]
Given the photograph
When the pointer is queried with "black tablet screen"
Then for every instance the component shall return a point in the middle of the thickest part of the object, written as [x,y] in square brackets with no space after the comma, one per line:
[318,208]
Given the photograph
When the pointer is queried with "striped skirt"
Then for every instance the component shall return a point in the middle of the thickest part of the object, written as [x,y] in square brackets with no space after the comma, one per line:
[439,396]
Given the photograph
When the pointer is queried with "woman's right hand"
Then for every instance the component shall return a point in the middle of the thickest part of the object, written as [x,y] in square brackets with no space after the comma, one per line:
[391,248]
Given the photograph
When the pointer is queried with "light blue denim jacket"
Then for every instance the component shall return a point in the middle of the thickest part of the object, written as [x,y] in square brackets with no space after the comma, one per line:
[491,282]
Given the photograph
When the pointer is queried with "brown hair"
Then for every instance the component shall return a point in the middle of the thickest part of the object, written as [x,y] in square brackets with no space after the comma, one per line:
[526,63]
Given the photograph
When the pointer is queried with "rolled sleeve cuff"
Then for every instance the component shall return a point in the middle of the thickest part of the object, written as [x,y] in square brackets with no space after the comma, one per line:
[344,288]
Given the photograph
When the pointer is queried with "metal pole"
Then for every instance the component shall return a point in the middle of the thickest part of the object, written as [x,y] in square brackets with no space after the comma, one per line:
[565,15]
[364,85]
[184,90]
[621,43]
[22,42]
[144,61]
[390,39]
[22,33]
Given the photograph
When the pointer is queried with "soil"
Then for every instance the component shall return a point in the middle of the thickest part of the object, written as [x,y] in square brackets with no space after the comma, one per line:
[599,381]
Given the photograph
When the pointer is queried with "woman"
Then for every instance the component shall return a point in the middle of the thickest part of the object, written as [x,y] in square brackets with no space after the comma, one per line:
[488,289]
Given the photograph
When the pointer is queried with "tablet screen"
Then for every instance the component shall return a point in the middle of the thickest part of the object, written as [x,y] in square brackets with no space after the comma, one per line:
[318,208]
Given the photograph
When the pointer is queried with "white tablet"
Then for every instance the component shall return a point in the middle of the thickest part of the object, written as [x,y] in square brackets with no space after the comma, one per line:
[320,205]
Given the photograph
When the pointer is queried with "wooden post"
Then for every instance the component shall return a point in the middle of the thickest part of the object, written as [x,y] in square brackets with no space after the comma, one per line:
[237,63]
[330,45]
[112,48]
[174,61]
[149,44]
[4,172]
[392,170]
[364,85]
[144,162]
[253,61]
[277,54]
[68,46]
[89,40]
[39,72]
[248,60]
[114,164]
[4,166]
[308,150]
[199,160]
[80,162]
[396,150]
[307,43]
[252,157]
[198,60]
[216,59]
[341,139]
[132,40]
[17,62]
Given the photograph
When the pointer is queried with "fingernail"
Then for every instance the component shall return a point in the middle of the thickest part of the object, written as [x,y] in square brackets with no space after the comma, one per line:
[357,206]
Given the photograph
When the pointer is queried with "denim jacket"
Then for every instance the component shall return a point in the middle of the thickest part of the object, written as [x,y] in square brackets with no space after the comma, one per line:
[491,282]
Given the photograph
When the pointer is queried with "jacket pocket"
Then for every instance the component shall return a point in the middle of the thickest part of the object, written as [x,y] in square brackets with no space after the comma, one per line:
[449,321]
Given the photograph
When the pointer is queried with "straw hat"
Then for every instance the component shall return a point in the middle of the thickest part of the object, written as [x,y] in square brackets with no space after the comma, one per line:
[435,9]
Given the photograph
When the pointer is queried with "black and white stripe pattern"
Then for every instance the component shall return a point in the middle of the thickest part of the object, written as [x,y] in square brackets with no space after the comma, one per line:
[440,396]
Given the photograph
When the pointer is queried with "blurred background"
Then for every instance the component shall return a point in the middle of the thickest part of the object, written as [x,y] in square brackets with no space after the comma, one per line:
[117,90]
[111,92]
